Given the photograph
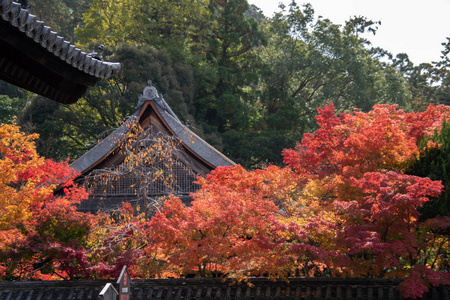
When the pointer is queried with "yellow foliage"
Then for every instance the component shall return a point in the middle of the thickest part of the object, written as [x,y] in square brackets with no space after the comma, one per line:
[20,178]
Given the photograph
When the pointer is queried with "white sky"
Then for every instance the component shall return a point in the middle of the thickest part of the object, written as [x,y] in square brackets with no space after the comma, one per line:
[414,27]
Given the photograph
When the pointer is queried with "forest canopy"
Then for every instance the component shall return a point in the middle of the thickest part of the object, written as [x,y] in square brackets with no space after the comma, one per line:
[248,84]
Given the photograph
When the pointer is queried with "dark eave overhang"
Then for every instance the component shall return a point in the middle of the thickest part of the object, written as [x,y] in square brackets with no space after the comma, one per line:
[34,57]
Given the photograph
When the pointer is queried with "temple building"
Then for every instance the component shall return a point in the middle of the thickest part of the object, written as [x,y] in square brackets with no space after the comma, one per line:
[151,155]
[35,58]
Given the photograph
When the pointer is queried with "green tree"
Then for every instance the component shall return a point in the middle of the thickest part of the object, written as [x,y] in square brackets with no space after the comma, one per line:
[70,130]
[434,163]
[12,101]
[43,116]
[110,23]
[430,82]
[143,21]
[313,62]
[10,108]
[309,62]
[61,15]
[233,52]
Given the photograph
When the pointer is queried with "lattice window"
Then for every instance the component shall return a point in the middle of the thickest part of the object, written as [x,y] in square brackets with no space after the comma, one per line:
[183,180]
[113,182]
[121,182]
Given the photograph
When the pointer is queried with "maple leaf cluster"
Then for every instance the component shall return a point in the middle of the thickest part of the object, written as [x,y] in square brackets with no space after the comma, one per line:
[41,233]
[342,206]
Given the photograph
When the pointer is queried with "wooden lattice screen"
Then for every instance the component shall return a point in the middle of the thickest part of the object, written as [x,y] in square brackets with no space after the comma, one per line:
[117,182]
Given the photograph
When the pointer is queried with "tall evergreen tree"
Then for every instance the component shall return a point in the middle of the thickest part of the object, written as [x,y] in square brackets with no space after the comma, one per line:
[233,54]
[434,162]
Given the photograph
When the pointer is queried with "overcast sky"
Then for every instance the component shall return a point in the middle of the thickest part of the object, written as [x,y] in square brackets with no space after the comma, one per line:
[414,27]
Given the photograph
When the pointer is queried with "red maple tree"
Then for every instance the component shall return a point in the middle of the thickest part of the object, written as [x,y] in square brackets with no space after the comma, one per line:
[41,234]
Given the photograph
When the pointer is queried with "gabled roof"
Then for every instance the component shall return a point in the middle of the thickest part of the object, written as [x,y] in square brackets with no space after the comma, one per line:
[193,144]
[34,57]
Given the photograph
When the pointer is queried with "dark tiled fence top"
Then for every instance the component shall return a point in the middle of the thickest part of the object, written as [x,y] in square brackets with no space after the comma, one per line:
[296,288]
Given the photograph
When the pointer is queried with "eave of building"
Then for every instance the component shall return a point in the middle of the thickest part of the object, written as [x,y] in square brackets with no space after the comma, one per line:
[34,57]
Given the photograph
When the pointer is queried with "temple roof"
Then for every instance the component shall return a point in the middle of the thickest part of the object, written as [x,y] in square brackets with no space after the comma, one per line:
[194,145]
[34,57]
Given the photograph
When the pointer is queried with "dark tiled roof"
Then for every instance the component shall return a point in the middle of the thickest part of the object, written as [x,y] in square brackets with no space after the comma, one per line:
[296,288]
[36,58]
[189,139]
[20,18]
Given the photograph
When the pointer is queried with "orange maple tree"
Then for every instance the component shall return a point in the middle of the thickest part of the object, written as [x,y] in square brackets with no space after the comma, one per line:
[230,228]
[116,240]
[41,233]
